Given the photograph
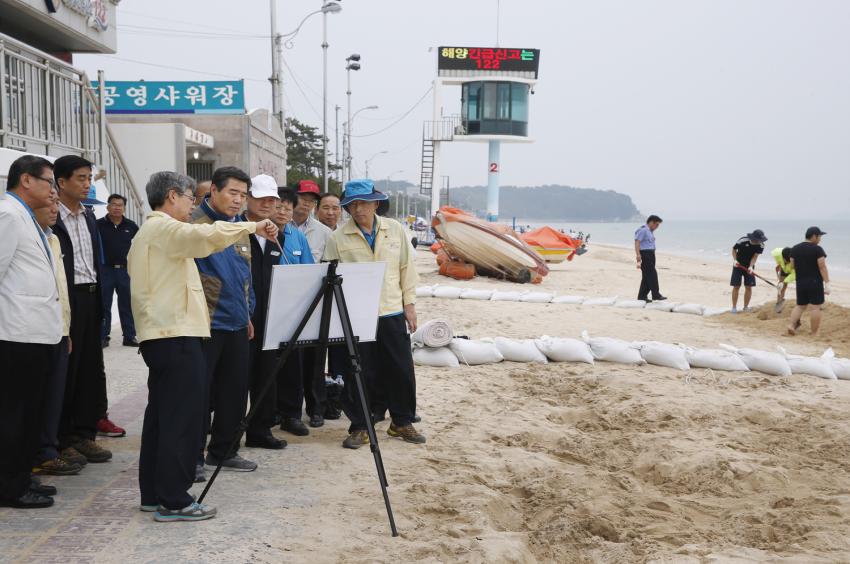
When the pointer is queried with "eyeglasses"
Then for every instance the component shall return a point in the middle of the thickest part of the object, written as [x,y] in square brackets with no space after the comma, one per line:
[50,181]
[185,195]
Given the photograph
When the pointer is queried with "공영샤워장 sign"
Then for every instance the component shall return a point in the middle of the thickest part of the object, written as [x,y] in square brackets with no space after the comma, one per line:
[180,97]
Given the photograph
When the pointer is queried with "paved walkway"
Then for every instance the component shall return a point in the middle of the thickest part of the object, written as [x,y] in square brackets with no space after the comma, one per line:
[96,517]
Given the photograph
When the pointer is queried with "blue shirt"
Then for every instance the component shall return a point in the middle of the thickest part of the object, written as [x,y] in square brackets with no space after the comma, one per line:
[646,238]
[296,250]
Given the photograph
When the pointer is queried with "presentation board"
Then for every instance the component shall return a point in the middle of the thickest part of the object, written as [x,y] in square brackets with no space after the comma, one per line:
[293,288]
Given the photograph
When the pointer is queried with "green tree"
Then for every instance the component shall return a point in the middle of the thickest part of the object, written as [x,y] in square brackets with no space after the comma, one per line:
[304,155]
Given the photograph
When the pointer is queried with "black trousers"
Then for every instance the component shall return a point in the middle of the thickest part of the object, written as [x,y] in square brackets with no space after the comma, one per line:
[649,276]
[227,376]
[26,368]
[116,280]
[262,370]
[173,419]
[299,384]
[85,388]
[53,394]
[388,368]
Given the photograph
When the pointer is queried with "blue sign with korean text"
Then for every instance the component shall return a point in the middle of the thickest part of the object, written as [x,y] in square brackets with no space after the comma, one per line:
[182,97]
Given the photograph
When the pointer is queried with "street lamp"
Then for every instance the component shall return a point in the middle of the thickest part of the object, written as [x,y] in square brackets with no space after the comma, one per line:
[370,160]
[327,8]
[349,126]
[387,188]
[351,65]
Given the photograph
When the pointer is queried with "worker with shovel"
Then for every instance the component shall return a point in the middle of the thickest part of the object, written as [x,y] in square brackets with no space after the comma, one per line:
[745,253]
[785,273]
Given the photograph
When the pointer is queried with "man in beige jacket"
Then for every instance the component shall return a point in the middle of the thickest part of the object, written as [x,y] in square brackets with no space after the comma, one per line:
[388,362]
[171,317]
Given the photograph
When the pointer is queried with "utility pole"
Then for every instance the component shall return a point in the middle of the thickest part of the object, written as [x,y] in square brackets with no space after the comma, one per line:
[336,130]
[324,100]
[275,79]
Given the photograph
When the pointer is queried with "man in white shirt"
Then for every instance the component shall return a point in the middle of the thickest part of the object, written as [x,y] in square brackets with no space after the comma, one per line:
[30,329]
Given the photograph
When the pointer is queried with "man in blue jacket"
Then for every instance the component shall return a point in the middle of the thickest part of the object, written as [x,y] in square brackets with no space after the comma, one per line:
[226,278]
[290,380]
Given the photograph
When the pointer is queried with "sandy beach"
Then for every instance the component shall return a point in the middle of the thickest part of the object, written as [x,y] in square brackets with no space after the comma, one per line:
[535,463]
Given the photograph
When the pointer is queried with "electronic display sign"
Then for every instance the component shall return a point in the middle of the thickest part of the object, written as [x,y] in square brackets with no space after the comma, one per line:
[488,59]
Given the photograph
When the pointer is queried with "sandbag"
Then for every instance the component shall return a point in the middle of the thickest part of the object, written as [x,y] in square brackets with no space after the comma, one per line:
[473,294]
[475,352]
[812,366]
[520,350]
[458,270]
[841,366]
[768,362]
[576,300]
[564,350]
[663,354]
[537,297]
[448,292]
[599,301]
[663,305]
[441,357]
[694,309]
[434,333]
[424,292]
[712,311]
[613,350]
[630,304]
[508,296]
[715,359]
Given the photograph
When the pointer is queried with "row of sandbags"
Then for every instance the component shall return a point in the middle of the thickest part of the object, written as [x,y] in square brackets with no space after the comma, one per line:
[591,349]
[453,292]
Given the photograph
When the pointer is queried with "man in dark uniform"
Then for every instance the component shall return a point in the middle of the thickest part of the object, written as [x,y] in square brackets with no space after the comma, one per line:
[262,198]
[117,232]
[809,261]
[745,253]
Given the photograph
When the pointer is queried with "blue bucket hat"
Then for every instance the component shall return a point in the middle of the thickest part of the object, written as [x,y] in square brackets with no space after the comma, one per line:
[92,197]
[364,190]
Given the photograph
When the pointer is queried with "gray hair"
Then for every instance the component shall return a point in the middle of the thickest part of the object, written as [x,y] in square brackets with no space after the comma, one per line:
[161,183]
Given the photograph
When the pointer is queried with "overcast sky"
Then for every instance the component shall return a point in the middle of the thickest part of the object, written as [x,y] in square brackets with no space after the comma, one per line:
[696,109]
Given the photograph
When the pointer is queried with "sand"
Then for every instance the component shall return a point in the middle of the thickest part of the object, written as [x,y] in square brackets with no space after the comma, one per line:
[606,463]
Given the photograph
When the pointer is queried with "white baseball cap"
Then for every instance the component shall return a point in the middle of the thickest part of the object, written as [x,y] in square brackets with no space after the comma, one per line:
[263,186]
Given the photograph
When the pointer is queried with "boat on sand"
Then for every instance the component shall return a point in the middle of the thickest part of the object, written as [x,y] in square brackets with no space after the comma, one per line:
[495,250]
[553,245]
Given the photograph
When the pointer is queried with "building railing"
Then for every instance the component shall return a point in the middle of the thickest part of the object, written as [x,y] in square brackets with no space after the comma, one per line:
[48,107]
[444,129]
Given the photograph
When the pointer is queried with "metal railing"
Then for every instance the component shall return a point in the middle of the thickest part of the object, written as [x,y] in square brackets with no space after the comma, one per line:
[48,107]
[444,129]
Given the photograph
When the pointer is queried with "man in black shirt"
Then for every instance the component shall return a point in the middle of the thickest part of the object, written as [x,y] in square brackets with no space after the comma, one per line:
[809,261]
[116,233]
[745,253]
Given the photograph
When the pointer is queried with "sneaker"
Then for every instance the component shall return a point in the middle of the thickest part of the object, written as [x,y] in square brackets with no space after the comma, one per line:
[356,439]
[294,426]
[195,512]
[58,467]
[106,428]
[73,456]
[659,298]
[733,310]
[408,433]
[748,309]
[148,508]
[316,420]
[235,463]
[200,474]
[92,451]
[265,441]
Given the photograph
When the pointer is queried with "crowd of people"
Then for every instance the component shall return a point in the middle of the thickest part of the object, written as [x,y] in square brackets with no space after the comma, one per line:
[193,286]
[804,264]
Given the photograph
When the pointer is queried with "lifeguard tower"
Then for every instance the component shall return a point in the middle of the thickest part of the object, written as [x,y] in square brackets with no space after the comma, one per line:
[495,84]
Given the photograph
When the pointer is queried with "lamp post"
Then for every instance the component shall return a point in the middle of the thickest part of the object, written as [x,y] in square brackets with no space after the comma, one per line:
[352,64]
[387,188]
[327,8]
[336,152]
[277,87]
[370,160]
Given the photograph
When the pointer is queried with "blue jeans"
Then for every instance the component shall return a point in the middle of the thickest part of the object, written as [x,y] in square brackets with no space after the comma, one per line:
[117,280]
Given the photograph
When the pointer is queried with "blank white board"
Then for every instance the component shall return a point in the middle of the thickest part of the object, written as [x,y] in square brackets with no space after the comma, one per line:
[293,288]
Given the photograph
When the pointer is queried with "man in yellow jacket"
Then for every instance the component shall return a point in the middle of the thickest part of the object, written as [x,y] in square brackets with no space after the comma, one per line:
[785,272]
[387,362]
[171,317]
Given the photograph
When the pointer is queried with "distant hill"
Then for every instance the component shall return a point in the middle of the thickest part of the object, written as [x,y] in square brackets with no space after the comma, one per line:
[550,202]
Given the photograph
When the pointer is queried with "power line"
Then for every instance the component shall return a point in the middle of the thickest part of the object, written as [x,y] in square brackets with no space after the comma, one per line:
[172,20]
[301,90]
[404,115]
[184,69]
[140,29]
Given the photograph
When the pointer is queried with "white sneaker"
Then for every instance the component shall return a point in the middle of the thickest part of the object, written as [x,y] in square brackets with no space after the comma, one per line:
[195,512]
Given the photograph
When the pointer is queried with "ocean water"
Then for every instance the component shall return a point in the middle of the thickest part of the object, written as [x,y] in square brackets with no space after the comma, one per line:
[712,240]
